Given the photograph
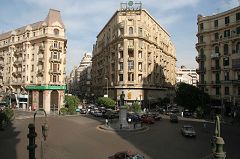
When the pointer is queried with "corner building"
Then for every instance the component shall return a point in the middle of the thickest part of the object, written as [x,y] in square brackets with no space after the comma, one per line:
[134,54]
[219,57]
[33,60]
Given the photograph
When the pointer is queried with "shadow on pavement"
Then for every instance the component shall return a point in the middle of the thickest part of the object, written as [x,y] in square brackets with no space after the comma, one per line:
[8,142]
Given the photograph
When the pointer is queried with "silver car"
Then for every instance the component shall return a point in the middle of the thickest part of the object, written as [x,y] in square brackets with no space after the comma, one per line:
[188,130]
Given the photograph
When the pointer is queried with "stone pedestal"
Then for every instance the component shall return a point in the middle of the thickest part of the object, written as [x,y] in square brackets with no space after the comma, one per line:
[123,117]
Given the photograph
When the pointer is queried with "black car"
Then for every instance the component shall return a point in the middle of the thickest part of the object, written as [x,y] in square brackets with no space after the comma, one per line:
[133,117]
[110,114]
[187,113]
[173,118]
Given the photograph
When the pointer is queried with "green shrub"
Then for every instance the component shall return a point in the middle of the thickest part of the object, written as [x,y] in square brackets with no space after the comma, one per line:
[72,103]
[63,111]
[9,114]
[136,107]
[107,102]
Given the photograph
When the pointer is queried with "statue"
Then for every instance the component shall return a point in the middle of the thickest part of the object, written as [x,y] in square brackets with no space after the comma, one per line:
[122,96]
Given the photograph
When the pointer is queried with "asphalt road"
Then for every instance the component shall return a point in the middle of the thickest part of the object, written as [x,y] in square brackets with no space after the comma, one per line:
[77,137]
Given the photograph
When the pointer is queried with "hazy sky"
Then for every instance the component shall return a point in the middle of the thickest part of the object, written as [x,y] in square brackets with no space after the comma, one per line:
[84,19]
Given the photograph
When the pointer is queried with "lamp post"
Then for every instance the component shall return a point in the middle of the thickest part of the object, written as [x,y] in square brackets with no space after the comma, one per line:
[32,135]
[107,85]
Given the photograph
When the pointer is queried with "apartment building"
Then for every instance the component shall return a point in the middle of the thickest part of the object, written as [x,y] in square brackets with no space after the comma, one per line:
[133,54]
[80,82]
[219,56]
[33,59]
[187,75]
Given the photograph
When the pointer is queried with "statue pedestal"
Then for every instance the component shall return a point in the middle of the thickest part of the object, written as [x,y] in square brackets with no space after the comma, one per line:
[123,117]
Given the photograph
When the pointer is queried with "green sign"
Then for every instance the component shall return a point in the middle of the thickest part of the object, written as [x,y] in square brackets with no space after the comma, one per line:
[46,87]
[130,3]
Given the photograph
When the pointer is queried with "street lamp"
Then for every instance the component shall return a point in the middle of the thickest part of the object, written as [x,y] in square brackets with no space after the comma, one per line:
[107,85]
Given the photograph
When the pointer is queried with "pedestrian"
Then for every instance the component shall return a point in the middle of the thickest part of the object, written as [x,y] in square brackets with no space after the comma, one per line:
[204,125]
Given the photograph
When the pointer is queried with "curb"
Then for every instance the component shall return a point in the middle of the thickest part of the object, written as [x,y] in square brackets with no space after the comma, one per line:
[103,127]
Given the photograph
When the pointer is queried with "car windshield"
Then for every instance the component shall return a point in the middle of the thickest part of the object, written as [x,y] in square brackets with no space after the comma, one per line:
[137,156]
[189,128]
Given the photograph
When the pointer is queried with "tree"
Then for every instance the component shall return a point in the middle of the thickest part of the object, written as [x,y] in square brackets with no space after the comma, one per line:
[136,107]
[191,97]
[107,102]
[72,103]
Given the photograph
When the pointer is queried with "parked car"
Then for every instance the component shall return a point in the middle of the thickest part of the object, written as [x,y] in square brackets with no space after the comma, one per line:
[187,113]
[147,119]
[97,113]
[155,115]
[133,116]
[188,130]
[110,114]
[173,118]
[83,111]
[126,155]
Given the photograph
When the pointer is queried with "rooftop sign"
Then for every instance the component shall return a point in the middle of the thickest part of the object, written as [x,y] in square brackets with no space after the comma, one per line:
[131,6]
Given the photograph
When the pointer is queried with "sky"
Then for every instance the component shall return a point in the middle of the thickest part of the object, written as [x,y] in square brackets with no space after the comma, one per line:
[84,19]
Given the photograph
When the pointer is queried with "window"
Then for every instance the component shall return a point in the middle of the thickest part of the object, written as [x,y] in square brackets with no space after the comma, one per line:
[217,91]
[217,77]
[56,32]
[121,66]
[238,90]
[226,33]
[130,65]
[238,47]
[140,66]
[238,30]
[201,26]
[227,20]
[54,78]
[130,30]
[32,68]
[200,39]
[226,76]
[226,61]
[237,16]
[121,54]
[55,44]
[216,36]
[225,49]
[54,55]
[140,32]
[226,90]
[120,77]
[139,78]
[216,49]
[215,23]
[130,77]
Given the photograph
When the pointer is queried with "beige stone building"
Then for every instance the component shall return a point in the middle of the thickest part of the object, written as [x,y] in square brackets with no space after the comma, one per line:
[219,56]
[134,54]
[187,75]
[33,60]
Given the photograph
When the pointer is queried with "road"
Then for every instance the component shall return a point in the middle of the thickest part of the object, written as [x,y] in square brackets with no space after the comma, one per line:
[75,137]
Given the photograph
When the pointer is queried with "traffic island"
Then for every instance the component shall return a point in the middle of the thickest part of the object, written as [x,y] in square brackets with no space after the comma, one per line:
[116,127]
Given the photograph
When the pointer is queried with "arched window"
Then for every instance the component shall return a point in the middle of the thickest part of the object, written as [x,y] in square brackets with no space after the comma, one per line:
[130,30]
[56,32]
[225,49]
[238,47]
[216,49]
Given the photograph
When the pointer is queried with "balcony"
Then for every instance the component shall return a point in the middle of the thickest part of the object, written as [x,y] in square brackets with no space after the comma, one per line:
[200,44]
[55,60]
[18,62]
[41,48]
[40,71]
[18,53]
[120,48]
[120,59]
[1,65]
[149,60]
[237,81]
[200,70]
[130,58]
[55,48]
[55,72]
[216,83]
[226,81]
[130,47]
[200,58]
[1,74]
[215,55]
[131,70]
[216,68]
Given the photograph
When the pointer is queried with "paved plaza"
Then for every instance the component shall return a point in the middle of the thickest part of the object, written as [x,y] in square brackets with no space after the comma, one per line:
[75,137]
